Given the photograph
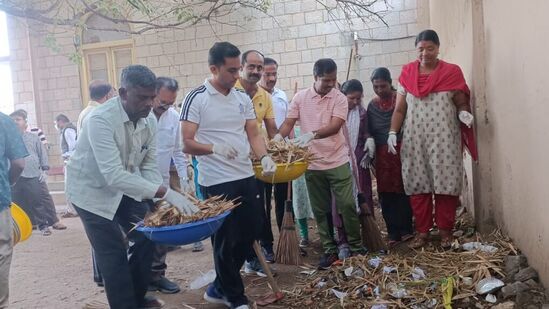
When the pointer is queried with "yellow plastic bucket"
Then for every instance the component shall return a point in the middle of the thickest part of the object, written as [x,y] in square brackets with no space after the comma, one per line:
[284,172]
[22,226]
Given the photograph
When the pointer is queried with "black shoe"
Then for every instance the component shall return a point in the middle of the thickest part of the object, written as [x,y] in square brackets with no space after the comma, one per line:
[326,260]
[164,286]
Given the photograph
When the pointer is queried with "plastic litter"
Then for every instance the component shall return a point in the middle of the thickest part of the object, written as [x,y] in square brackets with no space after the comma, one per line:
[468,281]
[431,303]
[447,291]
[491,298]
[203,280]
[358,273]
[349,271]
[471,246]
[379,306]
[396,291]
[418,274]
[488,285]
[321,284]
[428,304]
[375,262]
[377,291]
[307,272]
[389,269]
[338,294]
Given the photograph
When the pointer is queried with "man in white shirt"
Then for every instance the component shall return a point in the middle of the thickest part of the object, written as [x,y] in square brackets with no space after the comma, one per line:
[110,176]
[100,92]
[67,135]
[219,126]
[67,141]
[168,148]
[280,108]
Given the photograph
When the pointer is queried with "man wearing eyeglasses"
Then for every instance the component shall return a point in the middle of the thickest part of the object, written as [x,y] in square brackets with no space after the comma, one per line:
[169,149]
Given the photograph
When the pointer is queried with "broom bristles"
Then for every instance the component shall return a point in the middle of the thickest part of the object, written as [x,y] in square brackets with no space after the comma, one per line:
[287,251]
[371,236]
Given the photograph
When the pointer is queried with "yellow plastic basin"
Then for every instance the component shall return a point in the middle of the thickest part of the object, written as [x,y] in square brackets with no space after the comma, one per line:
[284,172]
[22,226]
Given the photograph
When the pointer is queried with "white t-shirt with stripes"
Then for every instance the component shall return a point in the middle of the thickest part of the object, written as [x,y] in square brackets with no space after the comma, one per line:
[221,120]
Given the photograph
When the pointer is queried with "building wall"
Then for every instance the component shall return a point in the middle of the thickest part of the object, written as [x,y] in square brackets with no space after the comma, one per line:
[46,83]
[505,61]
[301,34]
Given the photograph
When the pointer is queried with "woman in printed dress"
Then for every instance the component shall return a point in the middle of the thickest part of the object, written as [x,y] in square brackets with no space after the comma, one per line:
[433,114]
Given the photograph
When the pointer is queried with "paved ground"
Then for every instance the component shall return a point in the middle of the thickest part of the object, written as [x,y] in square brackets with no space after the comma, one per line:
[56,272]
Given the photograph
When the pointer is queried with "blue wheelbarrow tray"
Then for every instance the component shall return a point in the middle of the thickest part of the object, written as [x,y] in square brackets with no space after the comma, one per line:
[183,234]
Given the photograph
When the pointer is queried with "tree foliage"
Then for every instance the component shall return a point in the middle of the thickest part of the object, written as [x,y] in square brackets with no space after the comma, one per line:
[148,15]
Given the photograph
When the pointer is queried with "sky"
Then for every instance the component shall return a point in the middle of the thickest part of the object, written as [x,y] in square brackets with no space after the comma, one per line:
[6,86]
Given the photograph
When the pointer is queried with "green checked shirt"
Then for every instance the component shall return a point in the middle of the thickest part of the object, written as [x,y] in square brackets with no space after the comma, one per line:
[113,158]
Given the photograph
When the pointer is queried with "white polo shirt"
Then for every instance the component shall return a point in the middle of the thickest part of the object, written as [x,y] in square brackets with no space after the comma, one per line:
[221,120]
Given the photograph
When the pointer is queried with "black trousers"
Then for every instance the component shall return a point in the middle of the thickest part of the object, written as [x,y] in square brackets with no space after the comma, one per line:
[397,214]
[35,199]
[126,270]
[233,241]
[48,205]
[266,194]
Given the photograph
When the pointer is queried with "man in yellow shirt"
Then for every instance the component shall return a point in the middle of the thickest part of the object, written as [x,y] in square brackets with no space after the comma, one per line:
[252,69]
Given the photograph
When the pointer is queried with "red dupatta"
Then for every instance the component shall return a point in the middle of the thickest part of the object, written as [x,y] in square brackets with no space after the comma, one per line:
[445,77]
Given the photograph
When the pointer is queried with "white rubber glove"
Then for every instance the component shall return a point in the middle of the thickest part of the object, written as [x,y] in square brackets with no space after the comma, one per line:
[278,137]
[365,162]
[370,147]
[392,142]
[183,204]
[225,150]
[466,117]
[268,165]
[185,184]
[304,139]
[43,176]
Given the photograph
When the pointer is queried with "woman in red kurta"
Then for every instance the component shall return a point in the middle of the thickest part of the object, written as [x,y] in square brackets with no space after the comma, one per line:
[433,112]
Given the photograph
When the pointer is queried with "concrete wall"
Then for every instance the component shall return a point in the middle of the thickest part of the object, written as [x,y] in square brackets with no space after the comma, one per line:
[301,34]
[46,83]
[504,58]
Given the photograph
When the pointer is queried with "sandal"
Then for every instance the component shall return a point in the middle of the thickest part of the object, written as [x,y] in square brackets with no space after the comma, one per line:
[446,239]
[59,226]
[45,231]
[392,243]
[419,241]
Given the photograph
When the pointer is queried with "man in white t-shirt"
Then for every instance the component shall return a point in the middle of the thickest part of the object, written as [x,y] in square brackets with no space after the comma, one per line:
[219,127]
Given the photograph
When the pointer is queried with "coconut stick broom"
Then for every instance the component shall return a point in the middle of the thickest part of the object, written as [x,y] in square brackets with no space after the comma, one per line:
[371,236]
[287,250]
